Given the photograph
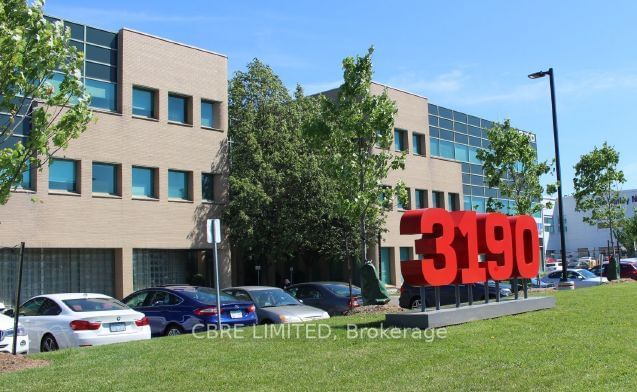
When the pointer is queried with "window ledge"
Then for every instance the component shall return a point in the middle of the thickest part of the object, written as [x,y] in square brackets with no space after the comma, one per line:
[64,193]
[106,111]
[419,155]
[180,201]
[106,196]
[180,124]
[22,190]
[212,202]
[145,118]
[143,198]
[211,128]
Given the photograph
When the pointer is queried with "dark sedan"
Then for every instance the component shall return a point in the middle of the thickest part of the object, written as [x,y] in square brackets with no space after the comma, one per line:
[628,270]
[173,310]
[332,297]
[410,295]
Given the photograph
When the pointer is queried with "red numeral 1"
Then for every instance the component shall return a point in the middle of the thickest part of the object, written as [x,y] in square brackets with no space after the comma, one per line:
[466,247]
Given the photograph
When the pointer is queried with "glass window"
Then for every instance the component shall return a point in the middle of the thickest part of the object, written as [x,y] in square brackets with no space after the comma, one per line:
[177,106]
[486,124]
[466,178]
[460,138]
[444,123]
[479,204]
[136,300]
[104,178]
[77,31]
[433,109]
[473,131]
[453,201]
[467,203]
[438,199]
[418,142]
[399,140]
[143,102]
[421,198]
[103,55]
[474,141]
[477,190]
[466,189]
[405,253]
[407,204]
[446,149]
[447,135]
[103,94]
[94,304]
[101,37]
[444,112]
[207,186]
[143,182]
[460,127]
[433,121]
[458,116]
[207,114]
[473,155]
[462,152]
[178,186]
[63,175]
[100,71]
[434,144]
[434,132]
[475,121]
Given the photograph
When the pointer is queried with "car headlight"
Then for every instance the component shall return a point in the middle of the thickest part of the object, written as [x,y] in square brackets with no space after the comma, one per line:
[21,332]
[289,319]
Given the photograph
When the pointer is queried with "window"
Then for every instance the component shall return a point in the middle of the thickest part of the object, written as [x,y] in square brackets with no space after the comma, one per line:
[163,298]
[63,175]
[207,186]
[418,142]
[406,204]
[405,253]
[462,152]
[454,201]
[136,300]
[421,198]
[435,146]
[178,185]
[105,178]
[144,102]
[103,94]
[143,182]
[399,140]
[438,199]
[208,114]
[177,108]
[446,149]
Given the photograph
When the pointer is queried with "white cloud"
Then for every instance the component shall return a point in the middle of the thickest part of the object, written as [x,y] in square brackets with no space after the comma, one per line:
[445,83]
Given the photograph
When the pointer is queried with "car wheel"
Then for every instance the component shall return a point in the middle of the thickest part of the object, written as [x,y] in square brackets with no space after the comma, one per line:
[173,330]
[48,343]
[415,303]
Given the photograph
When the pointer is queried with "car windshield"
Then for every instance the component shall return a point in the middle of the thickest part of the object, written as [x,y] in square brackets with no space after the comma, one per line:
[342,290]
[206,295]
[272,297]
[587,274]
[94,304]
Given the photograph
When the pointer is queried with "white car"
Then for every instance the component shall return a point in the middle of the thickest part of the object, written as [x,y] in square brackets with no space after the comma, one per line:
[6,336]
[581,278]
[56,321]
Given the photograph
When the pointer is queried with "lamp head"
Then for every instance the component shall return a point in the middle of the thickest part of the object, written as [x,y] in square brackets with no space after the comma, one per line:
[540,74]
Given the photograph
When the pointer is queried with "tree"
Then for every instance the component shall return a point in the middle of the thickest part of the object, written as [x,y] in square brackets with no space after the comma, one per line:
[511,165]
[350,126]
[279,206]
[31,48]
[596,185]
[626,234]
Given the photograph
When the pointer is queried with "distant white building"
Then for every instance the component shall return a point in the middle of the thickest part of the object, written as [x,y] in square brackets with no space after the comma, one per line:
[582,239]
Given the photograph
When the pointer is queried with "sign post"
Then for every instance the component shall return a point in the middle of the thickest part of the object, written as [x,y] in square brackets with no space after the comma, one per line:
[258,269]
[214,237]
[16,315]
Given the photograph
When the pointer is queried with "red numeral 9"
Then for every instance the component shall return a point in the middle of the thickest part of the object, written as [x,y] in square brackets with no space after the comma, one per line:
[495,242]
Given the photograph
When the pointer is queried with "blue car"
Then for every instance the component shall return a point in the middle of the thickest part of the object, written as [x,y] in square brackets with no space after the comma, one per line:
[173,310]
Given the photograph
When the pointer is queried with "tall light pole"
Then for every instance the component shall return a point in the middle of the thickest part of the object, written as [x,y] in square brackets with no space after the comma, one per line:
[560,203]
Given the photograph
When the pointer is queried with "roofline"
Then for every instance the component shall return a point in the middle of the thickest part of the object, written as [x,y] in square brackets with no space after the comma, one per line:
[398,89]
[174,42]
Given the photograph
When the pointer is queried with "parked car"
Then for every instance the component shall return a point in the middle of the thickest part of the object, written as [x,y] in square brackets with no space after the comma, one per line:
[581,263]
[628,270]
[55,321]
[537,283]
[410,295]
[555,266]
[275,306]
[6,336]
[332,297]
[581,278]
[173,310]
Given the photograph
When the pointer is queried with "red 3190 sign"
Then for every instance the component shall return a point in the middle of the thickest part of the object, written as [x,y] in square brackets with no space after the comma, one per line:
[452,241]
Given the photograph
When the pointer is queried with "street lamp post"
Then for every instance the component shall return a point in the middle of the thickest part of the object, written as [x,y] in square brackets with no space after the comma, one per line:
[560,204]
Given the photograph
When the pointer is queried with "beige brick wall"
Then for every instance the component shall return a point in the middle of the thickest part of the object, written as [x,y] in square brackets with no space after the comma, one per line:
[87,221]
[421,172]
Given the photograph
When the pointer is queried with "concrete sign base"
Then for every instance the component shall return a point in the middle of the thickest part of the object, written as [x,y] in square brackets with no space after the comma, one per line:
[464,314]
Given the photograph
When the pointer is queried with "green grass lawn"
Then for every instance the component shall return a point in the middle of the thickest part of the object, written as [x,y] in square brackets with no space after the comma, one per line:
[589,341]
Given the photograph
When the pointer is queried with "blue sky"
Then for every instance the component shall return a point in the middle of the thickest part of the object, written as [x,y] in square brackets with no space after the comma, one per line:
[471,56]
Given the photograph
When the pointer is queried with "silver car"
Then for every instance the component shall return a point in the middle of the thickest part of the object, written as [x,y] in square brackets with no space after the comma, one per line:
[275,306]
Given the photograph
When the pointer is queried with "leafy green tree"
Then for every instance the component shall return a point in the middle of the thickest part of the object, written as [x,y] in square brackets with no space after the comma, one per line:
[626,234]
[31,48]
[596,184]
[511,165]
[279,206]
[355,134]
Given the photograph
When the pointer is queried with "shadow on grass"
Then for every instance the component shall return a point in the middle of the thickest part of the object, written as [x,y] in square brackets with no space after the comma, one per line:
[373,324]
